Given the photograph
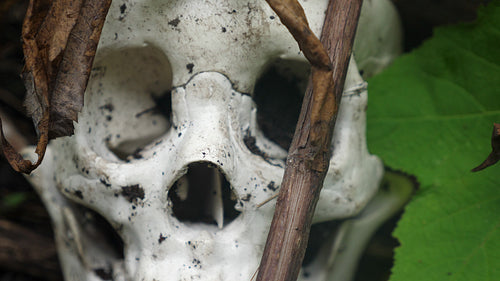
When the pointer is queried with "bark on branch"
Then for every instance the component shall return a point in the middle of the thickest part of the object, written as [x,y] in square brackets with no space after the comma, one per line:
[309,153]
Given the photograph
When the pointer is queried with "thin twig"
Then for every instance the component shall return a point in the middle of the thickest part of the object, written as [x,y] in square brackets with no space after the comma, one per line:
[309,153]
[267,200]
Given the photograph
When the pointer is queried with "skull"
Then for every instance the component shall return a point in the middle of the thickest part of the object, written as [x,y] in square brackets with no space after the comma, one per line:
[169,148]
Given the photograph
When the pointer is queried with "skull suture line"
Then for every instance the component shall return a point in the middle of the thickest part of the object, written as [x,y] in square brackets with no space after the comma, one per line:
[209,55]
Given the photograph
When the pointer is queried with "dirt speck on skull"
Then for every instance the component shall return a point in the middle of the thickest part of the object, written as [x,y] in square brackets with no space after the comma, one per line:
[272,186]
[123,8]
[78,194]
[103,181]
[162,238]
[109,107]
[190,67]
[133,193]
[174,22]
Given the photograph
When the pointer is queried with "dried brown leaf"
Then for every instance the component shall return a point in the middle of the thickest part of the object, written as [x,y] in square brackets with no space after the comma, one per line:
[293,17]
[495,150]
[59,42]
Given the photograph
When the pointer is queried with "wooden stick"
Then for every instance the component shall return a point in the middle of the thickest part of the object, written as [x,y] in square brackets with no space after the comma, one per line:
[309,153]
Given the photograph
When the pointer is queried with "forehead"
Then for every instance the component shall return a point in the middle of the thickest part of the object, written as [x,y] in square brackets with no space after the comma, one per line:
[235,38]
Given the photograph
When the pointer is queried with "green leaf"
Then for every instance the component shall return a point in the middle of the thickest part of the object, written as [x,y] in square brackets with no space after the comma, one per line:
[431,114]
[13,200]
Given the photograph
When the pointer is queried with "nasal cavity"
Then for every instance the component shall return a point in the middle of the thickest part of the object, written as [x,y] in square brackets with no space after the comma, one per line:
[203,195]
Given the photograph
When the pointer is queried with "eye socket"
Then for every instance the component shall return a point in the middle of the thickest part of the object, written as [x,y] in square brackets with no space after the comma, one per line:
[160,114]
[278,95]
[127,102]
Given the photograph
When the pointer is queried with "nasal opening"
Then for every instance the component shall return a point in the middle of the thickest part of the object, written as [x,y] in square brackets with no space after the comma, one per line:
[203,195]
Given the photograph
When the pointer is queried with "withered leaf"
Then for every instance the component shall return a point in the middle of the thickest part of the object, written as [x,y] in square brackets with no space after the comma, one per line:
[292,15]
[60,38]
[495,150]
[323,103]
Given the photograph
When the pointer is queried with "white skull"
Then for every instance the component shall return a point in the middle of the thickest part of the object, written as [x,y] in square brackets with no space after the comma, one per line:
[160,180]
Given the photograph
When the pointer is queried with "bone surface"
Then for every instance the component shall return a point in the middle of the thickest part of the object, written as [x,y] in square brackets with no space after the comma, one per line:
[170,99]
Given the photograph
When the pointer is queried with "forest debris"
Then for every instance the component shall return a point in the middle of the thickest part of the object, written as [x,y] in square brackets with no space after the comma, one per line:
[27,251]
[495,150]
[59,42]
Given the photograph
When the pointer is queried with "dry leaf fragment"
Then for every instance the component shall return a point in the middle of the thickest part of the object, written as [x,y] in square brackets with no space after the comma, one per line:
[323,104]
[59,42]
[495,152]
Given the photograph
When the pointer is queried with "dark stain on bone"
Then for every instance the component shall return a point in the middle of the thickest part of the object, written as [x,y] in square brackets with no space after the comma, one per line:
[106,184]
[224,29]
[196,262]
[78,194]
[190,67]
[247,197]
[133,193]
[162,238]
[123,8]
[272,186]
[109,107]
[122,12]
[251,144]
[137,153]
[104,273]
[174,22]
[191,244]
